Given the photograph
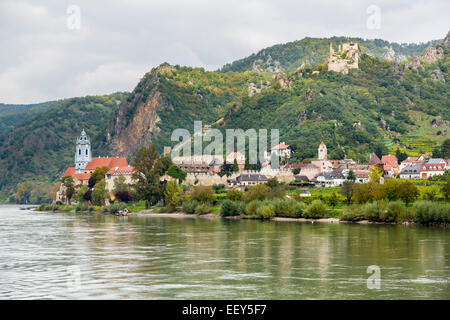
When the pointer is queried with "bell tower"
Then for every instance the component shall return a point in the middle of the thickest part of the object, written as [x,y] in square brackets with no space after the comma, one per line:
[322,151]
[83,152]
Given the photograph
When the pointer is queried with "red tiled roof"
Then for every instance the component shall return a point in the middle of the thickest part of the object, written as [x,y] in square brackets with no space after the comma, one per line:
[374,159]
[389,161]
[106,162]
[78,176]
[121,170]
[281,146]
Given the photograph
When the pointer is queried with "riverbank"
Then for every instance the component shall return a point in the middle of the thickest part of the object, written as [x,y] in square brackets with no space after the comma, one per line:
[180,215]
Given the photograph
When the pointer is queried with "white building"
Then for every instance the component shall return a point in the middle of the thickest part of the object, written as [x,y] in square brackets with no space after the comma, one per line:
[411,171]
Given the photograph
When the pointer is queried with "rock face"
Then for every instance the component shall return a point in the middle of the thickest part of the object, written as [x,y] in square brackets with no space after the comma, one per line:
[447,40]
[135,123]
[347,57]
[432,54]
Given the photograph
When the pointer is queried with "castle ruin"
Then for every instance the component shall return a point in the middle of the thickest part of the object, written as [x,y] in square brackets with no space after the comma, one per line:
[345,58]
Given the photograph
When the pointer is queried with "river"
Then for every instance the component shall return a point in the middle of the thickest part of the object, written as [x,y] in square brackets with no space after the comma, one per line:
[80,256]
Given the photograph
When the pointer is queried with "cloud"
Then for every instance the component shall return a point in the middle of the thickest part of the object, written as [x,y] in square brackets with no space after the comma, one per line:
[42,59]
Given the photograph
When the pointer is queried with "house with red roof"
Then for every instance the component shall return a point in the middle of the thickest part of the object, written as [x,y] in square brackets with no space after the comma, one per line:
[281,150]
[125,171]
[390,165]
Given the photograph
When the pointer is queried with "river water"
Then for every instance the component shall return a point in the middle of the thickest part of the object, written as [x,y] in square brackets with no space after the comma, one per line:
[80,256]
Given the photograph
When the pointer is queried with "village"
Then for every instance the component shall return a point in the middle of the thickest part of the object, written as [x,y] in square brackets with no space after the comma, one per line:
[318,173]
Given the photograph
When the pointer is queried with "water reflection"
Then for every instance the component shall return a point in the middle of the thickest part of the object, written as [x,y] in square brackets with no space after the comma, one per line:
[154,258]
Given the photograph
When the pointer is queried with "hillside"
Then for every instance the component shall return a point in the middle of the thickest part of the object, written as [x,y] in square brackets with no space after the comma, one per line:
[41,148]
[168,98]
[11,115]
[290,56]
[381,104]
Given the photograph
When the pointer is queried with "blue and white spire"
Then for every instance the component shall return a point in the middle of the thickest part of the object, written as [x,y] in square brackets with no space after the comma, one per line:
[83,152]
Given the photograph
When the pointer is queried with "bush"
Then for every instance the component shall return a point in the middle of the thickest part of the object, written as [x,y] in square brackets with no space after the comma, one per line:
[395,212]
[372,211]
[251,207]
[202,208]
[265,211]
[289,208]
[317,209]
[231,208]
[124,196]
[234,194]
[81,207]
[203,194]
[189,206]
[425,211]
[258,192]
[352,213]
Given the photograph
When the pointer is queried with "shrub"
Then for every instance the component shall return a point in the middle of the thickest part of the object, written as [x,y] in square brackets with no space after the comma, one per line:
[352,213]
[372,211]
[234,194]
[189,206]
[317,209]
[251,207]
[203,194]
[395,212]
[258,192]
[115,207]
[124,196]
[202,208]
[265,210]
[289,208]
[231,208]
[81,207]
[425,211]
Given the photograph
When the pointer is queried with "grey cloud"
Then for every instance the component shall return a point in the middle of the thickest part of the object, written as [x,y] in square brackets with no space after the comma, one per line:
[41,59]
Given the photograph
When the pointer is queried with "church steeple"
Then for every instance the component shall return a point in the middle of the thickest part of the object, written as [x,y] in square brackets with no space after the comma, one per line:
[83,152]
[322,151]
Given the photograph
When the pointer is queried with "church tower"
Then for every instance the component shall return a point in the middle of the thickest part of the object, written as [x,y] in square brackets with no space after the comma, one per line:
[83,152]
[322,152]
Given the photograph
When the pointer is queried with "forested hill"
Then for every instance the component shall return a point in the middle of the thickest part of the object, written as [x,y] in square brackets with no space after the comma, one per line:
[381,105]
[11,115]
[41,148]
[311,51]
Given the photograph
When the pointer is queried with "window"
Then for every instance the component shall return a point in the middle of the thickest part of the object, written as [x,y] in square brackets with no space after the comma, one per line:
[86,152]
[79,152]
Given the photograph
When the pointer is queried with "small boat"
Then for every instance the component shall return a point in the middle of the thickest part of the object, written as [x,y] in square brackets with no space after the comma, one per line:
[122,213]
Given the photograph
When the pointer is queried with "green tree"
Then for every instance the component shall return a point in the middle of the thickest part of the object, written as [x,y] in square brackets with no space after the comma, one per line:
[69,183]
[401,155]
[81,192]
[99,194]
[333,200]
[172,195]
[177,173]
[235,166]
[445,149]
[375,174]
[446,190]
[99,173]
[247,165]
[148,169]
[203,194]
[23,192]
[347,190]
[351,176]
[408,192]
[120,185]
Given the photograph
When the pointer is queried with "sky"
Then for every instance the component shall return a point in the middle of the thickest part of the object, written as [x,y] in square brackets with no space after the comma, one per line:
[54,49]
